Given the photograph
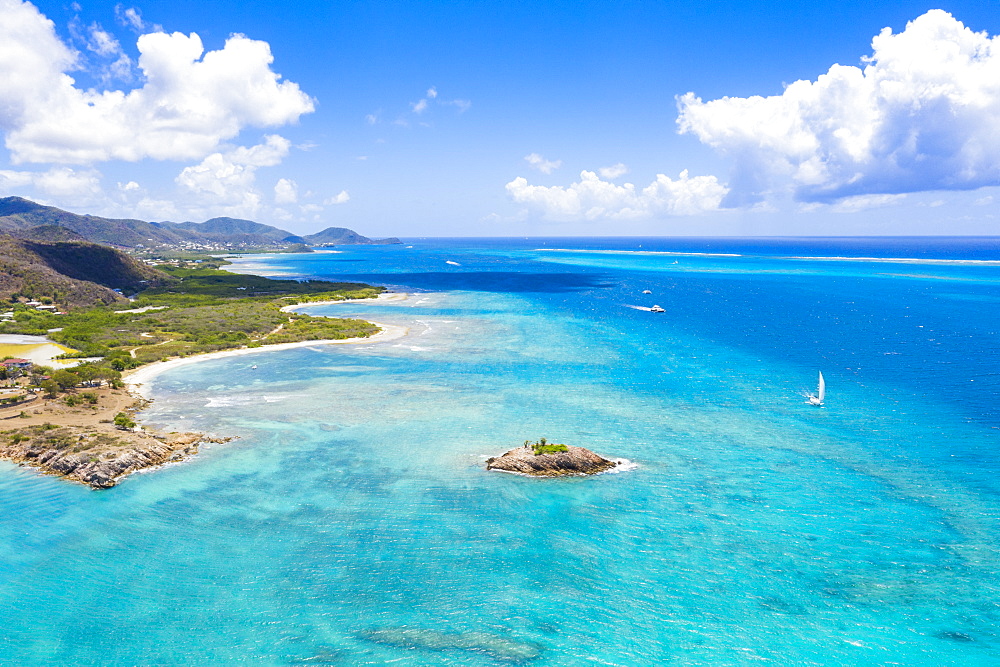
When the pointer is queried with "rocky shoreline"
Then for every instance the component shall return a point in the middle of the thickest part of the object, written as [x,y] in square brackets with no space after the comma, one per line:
[571,461]
[101,469]
[82,444]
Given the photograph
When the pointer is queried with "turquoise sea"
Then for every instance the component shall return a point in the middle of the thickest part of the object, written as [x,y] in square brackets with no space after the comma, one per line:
[352,523]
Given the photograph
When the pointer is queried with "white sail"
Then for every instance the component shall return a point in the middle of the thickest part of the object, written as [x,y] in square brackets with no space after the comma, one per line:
[817,398]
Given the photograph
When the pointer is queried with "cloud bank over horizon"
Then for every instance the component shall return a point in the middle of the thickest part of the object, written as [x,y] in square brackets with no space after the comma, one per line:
[923,114]
[592,198]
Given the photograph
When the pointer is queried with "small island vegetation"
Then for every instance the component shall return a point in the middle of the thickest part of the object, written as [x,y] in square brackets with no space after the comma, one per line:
[544,447]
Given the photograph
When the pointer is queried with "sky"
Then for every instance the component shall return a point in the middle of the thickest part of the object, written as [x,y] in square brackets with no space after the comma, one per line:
[581,118]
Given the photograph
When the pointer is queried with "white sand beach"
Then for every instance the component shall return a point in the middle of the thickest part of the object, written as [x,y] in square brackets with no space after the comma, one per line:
[138,380]
[386,296]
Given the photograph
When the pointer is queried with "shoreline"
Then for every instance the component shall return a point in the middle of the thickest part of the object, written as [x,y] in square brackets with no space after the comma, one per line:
[135,380]
[384,296]
[139,377]
[124,452]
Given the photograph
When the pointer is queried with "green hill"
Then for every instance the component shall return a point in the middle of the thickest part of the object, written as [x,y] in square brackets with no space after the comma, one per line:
[235,230]
[71,273]
[18,216]
[343,236]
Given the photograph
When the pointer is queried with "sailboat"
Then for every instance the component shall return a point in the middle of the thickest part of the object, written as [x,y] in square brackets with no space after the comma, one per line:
[817,398]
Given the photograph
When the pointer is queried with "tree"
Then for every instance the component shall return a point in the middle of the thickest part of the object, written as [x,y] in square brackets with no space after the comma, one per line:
[50,387]
[87,373]
[109,375]
[65,379]
[124,422]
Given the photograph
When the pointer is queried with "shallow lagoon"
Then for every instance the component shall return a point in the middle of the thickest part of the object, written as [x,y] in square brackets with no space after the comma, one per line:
[352,523]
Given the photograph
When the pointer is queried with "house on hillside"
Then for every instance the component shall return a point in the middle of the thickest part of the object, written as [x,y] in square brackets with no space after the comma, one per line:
[15,367]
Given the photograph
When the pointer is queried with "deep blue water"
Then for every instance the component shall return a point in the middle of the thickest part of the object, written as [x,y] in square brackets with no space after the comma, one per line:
[353,523]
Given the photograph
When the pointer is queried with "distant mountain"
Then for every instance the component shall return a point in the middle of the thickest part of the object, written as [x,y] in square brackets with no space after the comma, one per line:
[26,219]
[72,273]
[234,230]
[18,215]
[343,236]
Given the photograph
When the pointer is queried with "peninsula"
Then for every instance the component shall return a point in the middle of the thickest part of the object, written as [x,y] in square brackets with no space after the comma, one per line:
[78,422]
[542,459]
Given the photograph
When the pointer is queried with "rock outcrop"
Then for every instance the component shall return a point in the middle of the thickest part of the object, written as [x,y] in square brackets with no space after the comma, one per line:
[573,461]
[103,469]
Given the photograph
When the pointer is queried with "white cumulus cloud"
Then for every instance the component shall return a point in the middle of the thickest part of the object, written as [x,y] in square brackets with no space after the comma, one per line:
[591,198]
[286,191]
[64,184]
[541,164]
[225,182]
[191,101]
[103,42]
[922,114]
[613,172]
[341,198]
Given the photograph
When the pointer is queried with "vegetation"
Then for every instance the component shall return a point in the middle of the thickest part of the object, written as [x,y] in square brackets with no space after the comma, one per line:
[71,273]
[543,447]
[124,422]
[50,436]
[13,400]
[198,308]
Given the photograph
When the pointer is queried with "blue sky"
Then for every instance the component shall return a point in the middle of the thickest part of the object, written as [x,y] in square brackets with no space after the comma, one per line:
[494,119]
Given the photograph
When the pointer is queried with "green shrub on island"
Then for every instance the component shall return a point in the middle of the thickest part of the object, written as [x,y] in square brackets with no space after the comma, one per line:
[543,447]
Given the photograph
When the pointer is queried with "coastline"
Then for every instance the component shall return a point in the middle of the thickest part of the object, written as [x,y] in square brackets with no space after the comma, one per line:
[136,379]
[384,296]
[115,453]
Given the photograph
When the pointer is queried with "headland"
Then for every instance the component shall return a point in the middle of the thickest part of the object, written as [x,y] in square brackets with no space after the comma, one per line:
[79,423]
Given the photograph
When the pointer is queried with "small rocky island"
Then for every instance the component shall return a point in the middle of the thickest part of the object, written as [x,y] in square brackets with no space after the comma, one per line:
[542,459]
